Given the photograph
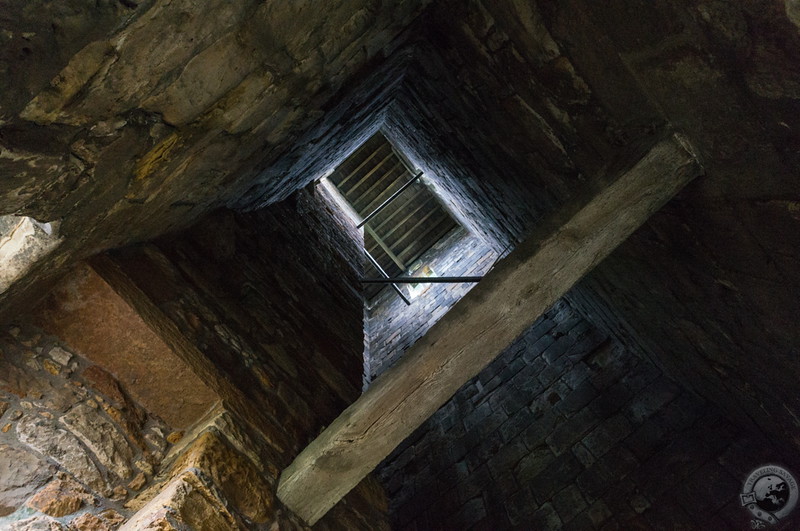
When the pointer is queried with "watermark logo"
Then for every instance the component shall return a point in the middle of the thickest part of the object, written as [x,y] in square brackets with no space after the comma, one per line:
[770,493]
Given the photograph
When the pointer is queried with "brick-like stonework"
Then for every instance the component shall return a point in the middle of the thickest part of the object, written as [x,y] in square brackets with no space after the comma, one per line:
[272,305]
[391,326]
[569,429]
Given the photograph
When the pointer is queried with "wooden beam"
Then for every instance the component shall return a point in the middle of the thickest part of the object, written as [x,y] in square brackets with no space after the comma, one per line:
[500,308]
[385,248]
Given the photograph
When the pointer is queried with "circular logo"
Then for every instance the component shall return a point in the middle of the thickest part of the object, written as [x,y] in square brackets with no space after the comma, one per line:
[770,493]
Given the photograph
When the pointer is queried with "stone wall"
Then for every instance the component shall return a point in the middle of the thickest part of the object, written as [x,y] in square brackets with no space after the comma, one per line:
[569,429]
[74,446]
[500,117]
[244,334]
[708,286]
[271,309]
[391,326]
[516,105]
[125,136]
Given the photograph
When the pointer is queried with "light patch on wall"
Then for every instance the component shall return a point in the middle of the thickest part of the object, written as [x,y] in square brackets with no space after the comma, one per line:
[23,242]
[420,270]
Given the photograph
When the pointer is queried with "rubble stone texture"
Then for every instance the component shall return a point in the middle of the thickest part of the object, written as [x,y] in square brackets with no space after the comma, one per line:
[58,432]
[21,473]
[59,498]
[101,437]
[46,438]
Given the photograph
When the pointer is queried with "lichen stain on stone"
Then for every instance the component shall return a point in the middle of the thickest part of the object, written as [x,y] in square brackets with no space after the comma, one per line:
[156,156]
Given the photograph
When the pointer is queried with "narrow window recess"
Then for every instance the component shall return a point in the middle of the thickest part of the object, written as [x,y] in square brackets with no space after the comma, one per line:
[400,216]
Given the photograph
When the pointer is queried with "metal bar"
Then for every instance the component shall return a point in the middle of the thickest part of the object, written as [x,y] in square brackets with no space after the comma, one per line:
[382,272]
[386,248]
[421,280]
[389,200]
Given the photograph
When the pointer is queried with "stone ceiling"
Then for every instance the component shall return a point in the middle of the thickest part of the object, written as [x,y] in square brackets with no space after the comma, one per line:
[127,120]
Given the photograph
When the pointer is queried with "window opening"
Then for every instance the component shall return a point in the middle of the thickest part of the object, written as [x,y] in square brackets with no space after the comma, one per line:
[401,217]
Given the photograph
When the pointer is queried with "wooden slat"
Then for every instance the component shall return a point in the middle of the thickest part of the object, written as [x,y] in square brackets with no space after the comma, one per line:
[360,166]
[480,326]
[436,231]
[351,191]
[433,216]
[381,256]
[383,183]
[411,212]
[385,248]
[413,194]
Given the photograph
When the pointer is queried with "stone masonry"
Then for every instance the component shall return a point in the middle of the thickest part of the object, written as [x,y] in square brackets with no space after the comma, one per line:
[569,429]
[262,335]
[74,447]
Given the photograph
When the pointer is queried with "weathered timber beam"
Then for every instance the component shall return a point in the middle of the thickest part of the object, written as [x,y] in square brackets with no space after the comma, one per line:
[501,307]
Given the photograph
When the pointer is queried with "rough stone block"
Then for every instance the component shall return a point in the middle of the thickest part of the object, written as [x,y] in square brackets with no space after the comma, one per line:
[648,438]
[568,503]
[651,399]
[583,454]
[470,513]
[559,473]
[533,464]
[611,400]
[91,522]
[507,457]
[187,501]
[37,523]
[540,429]
[576,375]
[521,506]
[598,513]
[515,424]
[549,374]
[599,478]
[577,399]
[101,437]
[571,431]
[235,475]
[21,473]
[60,498]
[607,434]
[46,438]
[545,517]
[538,346]
[557,348]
